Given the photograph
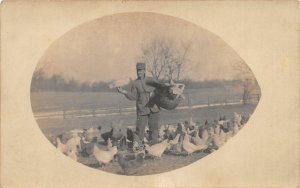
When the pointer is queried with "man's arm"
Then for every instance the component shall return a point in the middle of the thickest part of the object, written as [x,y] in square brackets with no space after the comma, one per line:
[131,95]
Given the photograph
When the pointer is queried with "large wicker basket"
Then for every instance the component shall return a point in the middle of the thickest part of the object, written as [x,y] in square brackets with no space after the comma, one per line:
[167,102]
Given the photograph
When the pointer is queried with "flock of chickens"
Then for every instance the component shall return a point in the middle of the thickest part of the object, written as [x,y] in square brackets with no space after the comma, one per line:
[130,152]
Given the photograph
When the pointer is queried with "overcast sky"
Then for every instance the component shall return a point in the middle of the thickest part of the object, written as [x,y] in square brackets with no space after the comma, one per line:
[109,47]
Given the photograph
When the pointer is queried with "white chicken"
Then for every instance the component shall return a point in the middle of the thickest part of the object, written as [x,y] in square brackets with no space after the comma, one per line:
[235,128]
[175,140]
[217,129]
[237,118]
[72,144]
[75,132]
[60,146]
[190,147]
[72,154]
[109,144]
[104,157]
[157,150]
[176,89]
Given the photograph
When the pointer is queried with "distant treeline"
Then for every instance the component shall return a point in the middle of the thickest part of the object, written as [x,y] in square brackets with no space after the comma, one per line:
[57,83]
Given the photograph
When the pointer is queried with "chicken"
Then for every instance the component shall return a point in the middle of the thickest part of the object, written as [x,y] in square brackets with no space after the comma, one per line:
[200,142]
[75,132]
[173,143]
[176,89]
[130,167]
[109,144]
[107,135]
[235,128]
[217,129]
[60,146]
[191,123]
[138,145]
[162,131]
[72,144]
[92,134]
[204,134]
[178,147]
[180,129]
[72,154]
[116,133]
[104,157]
[130,134]
[146,135]
[123,143]
[175,140]
[167,95]
[219,139]
[170,132]
[157,150]
[190,147]
[237,118]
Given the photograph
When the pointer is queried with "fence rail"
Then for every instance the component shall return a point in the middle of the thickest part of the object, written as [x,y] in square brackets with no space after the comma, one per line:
[91,111]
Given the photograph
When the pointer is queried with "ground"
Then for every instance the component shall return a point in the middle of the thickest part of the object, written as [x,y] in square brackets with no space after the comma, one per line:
[169,161]
[51,127]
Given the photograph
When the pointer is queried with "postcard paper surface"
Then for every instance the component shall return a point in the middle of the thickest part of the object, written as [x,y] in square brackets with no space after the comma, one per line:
[150,94]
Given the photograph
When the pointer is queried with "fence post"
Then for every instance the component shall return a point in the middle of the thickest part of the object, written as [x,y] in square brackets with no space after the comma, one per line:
[208,103]
[94,112]
[64,113]
[120,108]
[189,101]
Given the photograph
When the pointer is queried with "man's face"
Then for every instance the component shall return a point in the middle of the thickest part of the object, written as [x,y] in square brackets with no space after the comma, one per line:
[141,73]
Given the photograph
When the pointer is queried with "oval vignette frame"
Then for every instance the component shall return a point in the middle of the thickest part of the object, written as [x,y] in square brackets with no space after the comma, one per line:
[77,110]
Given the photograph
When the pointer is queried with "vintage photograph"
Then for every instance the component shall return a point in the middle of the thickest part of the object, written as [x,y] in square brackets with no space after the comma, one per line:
[141,93]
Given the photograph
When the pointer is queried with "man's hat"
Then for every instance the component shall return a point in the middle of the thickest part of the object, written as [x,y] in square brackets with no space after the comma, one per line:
[140,66]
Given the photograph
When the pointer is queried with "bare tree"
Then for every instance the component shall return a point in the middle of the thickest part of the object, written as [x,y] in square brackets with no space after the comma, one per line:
[155,55]
[249,82]
[182,58]
[163,59]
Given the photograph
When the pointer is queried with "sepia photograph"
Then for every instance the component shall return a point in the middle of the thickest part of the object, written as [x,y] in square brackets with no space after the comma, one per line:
[141,93]
[149,94]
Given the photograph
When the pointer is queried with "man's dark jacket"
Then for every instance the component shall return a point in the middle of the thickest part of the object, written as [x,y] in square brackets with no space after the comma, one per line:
[141,91]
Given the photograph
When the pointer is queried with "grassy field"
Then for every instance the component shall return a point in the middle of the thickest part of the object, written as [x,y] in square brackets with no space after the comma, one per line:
[51,127]
[51,101]
[169,161]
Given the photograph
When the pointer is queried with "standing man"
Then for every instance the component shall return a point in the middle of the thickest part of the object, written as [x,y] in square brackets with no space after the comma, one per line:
[146,109]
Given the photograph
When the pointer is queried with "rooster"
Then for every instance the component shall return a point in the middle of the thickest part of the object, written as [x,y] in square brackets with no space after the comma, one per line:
[157,150]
